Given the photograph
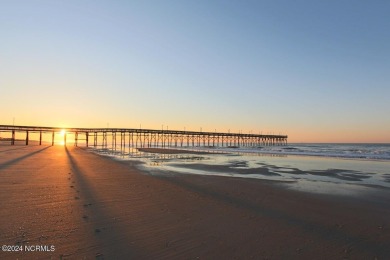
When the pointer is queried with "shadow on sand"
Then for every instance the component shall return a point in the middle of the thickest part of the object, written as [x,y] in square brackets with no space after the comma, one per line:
[103,223]
[21,158]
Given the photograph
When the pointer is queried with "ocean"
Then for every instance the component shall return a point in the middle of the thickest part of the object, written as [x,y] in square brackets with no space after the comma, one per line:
[350,151]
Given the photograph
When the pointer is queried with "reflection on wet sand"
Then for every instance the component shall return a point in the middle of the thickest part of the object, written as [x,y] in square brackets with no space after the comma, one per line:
[303,173]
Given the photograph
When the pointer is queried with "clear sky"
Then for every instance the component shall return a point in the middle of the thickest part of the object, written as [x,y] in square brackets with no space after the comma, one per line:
[318,71]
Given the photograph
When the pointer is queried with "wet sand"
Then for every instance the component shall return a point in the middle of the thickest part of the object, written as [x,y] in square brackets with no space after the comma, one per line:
[171,151]
[93,207]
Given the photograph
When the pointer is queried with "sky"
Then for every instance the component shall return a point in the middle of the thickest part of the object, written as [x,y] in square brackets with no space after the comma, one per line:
[317,71]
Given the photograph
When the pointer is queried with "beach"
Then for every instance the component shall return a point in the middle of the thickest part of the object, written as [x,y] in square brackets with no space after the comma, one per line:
[75,204]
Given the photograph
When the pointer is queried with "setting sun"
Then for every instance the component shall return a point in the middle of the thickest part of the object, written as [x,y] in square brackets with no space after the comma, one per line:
[63,134]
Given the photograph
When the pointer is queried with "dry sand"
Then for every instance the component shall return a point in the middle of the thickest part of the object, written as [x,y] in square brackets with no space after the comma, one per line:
[92,207]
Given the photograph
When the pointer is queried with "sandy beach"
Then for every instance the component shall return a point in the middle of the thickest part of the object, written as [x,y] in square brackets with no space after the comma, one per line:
[81,205]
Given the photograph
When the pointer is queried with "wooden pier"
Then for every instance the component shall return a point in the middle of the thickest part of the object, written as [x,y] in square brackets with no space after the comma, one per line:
[105,138]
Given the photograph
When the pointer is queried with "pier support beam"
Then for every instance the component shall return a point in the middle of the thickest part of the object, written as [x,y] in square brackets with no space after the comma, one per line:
[26,137]
[13,138]
[95,139]
[105,140]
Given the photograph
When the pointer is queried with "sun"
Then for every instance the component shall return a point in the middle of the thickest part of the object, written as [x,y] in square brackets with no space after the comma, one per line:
[63,135]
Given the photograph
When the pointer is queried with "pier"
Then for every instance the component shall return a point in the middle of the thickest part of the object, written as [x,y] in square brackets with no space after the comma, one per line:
[105,138]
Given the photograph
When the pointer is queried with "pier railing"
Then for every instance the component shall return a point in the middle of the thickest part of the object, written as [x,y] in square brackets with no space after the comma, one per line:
[132,137]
